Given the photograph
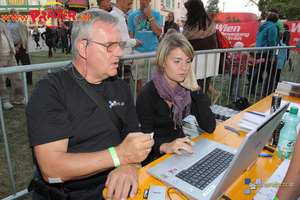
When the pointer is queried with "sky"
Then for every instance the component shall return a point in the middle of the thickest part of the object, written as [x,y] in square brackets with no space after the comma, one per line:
[237,6]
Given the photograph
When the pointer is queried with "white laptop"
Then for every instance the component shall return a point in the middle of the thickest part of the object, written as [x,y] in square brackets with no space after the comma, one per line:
[183,172]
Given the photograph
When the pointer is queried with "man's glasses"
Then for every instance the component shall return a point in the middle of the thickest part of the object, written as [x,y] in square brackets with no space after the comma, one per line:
[110,47]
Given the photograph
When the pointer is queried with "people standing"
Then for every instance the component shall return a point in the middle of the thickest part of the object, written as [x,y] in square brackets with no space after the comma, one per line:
[104,5]
[19,33]
[48,36]
[170,23]
[42,30]
[286,40]
[119,11]
[144,24]
[267,36]
[72,137]
[200,31]
[64,38]
[7,59]
[69,37]
[36,35]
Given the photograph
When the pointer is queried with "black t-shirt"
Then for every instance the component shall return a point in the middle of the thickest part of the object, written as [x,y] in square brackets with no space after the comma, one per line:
[59,108]
[156,116]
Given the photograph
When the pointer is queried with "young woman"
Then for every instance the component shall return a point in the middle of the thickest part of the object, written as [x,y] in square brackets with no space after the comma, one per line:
[36,36]
[170,95]
[170,23]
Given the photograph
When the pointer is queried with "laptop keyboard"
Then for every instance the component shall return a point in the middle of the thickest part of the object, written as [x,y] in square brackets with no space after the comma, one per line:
[203,172]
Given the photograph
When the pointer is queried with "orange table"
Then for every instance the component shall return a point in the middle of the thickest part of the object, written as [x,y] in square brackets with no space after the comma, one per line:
[264,167]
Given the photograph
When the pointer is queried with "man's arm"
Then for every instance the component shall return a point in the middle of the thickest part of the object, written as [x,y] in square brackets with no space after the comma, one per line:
[155,27]
[55,162]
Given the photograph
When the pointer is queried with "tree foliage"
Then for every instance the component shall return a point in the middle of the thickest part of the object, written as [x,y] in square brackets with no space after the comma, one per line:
[212,8]
[288,9]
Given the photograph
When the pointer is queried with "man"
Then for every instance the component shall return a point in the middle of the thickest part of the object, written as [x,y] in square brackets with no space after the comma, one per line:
[119,11]
[69,132]
[104,5]
[144,24]
[7,59]
[64,38]
[20,37]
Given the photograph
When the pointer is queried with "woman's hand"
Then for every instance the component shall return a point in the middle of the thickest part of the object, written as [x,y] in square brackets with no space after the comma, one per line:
[190,81]
[176,145]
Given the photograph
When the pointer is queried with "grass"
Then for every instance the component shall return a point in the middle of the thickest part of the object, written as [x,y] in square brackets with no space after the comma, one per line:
[16,128]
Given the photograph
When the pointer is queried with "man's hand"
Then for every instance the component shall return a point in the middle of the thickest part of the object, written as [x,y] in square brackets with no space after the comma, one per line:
[17,49]
[134,148]
[190,81]
[148,12]
[119,181]
[176,145]
[138,43]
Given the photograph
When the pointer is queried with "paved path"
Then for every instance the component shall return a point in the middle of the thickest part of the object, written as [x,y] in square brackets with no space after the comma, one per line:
[32,46]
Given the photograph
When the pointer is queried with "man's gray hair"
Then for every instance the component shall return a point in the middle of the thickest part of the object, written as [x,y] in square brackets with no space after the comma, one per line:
[13,9]
[81,29]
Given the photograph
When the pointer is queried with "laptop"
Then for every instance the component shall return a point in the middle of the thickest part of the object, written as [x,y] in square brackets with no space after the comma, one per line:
[189,172]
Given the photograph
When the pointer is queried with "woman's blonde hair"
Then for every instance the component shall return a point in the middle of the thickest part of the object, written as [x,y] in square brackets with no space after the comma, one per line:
[168,43]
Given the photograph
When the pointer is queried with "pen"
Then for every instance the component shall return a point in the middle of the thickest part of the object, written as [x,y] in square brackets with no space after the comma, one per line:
[232,129]
[255,113]
[266,155]
[269,149]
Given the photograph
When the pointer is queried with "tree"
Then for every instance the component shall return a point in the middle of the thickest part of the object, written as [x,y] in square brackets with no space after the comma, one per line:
[288,9]
[212,8]
[232,19]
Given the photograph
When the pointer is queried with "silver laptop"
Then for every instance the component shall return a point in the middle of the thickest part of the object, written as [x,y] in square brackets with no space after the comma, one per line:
[188,172]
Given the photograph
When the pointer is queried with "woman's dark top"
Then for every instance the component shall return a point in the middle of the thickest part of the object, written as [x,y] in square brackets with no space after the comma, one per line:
[156,116]
[172,25]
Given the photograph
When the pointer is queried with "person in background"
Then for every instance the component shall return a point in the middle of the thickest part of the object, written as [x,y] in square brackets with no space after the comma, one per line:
[144,24]
[42,30]
[19,33]
[250,66]
[267,36]
[171,95]
[36,34]
[286,40]
[72,138]
[7,59]
[200,31]
[279,22]
[238,69]
[64,38]
[69,32]
[48,36]
[55,39]
[282,53]
[170,23]
[119,11]
[292,177]
[180,25]
[104,5]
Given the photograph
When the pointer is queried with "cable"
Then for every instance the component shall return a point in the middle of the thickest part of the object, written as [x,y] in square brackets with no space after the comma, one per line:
[172,188]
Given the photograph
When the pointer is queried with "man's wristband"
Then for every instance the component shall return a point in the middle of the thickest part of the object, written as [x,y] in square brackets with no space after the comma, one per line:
[19,47]
[114,156]
[198,89]
[151,19]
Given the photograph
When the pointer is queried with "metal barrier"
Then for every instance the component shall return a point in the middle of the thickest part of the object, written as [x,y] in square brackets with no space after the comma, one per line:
[293,77]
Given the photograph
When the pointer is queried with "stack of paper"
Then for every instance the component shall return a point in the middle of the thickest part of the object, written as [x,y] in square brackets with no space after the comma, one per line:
[288,88]
[249,121]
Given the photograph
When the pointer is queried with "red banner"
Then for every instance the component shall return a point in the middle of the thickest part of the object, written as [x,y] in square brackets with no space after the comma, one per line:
[246,32]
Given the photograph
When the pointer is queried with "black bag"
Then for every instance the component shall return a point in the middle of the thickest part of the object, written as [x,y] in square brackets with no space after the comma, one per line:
[240,104]
[47,190]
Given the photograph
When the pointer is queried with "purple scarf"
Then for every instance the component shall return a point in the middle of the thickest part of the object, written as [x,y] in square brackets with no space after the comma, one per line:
[180,97]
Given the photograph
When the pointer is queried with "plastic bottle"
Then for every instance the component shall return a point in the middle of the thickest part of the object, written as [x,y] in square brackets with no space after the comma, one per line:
[288,134]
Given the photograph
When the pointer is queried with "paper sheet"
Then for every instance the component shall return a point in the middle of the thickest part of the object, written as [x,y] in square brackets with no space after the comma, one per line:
[268,193]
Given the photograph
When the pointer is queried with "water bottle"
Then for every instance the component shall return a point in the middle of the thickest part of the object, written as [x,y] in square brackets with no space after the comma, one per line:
[288,134]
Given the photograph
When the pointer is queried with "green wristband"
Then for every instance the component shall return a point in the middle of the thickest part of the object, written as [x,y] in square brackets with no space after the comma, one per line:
[151,19]
[114,156]
[276,198]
